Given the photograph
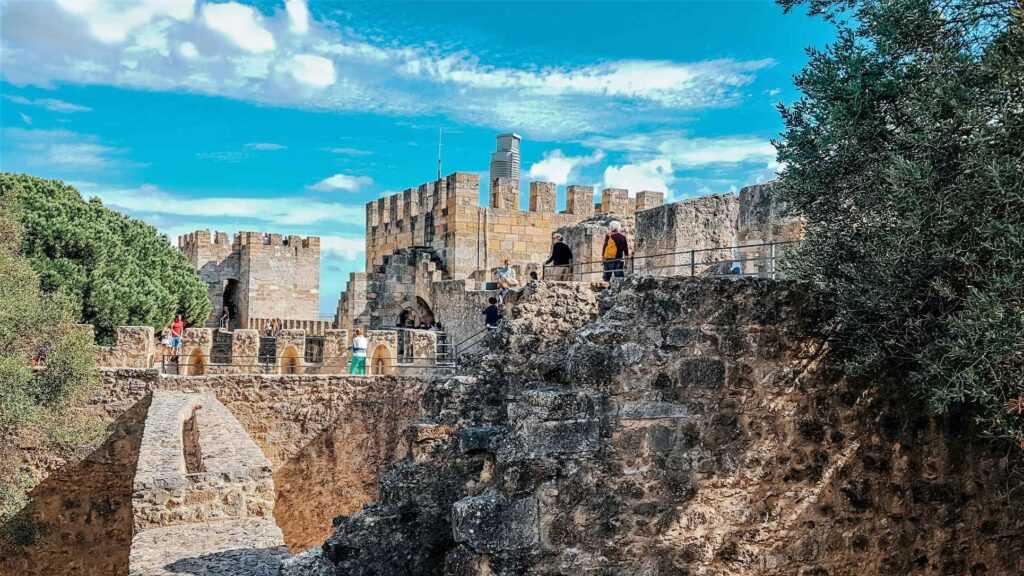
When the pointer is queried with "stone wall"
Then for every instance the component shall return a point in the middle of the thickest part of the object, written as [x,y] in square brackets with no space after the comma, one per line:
[692,428]
[83,509]
[674,229]
[460,304]
[197,464]
[468,237]
[344,429]
[270,275]
[135,348]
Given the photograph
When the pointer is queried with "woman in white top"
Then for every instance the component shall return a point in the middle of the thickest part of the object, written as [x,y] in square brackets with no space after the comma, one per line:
[359,346]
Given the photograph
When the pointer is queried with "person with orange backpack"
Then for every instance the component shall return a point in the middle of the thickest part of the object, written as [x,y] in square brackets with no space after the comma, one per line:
[616,249]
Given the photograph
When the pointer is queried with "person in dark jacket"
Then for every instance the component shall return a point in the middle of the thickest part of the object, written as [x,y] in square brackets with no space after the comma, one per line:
[491,314]
[616,250]
[559,266]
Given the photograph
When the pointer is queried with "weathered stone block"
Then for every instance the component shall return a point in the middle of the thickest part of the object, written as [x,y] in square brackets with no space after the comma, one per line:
[702,372]
[495,523]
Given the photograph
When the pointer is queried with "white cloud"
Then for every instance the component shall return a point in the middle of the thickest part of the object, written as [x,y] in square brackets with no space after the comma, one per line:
[347,248]
[342,182]
[291,211]
[654,175]
[298,16]
[239,23]
[706,151]
[689,152]
[249,56]
[25,118]
[557,167]
[112,22]
[265,146]
[671,84]
[51,104]
[313,70]
[60,149]
[188,50]
[346,151]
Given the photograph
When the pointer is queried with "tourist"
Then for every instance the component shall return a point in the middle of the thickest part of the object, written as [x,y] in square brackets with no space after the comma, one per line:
[177,328]
[491,314]
[616,249]
[225,319]
[359,346]
[506,277]
[560,263]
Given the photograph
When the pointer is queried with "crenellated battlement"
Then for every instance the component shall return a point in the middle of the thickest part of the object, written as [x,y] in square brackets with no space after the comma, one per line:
[449,216]
[255,240]
[201,238]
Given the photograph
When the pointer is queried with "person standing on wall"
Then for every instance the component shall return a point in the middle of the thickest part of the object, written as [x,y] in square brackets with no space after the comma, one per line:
[359,346]
[560,261]
[616,249]
[177,328]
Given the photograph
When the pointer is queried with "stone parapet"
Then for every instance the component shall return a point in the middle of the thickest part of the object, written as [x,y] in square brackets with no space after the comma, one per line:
[615,201]
[542,197]
[580,201]
[646,200]
[135,348]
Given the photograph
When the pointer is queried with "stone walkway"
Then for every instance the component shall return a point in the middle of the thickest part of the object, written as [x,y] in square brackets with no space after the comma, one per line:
[247,547]
[203,494]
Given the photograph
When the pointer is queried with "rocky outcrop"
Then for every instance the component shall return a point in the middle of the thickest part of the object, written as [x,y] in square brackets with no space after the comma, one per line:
[690,429]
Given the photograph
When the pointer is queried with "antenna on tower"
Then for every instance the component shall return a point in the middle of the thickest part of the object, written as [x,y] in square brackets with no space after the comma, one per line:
[439,129]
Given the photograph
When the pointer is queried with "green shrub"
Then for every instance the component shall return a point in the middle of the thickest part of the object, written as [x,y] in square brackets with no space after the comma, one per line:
[904,154]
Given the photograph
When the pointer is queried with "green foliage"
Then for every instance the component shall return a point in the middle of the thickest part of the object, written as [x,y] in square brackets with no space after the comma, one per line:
[905,156]
[118,270]
[16,528]
[35,397]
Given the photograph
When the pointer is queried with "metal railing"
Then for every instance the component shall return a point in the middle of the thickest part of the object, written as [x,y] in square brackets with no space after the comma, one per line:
[183,365]
[758,260]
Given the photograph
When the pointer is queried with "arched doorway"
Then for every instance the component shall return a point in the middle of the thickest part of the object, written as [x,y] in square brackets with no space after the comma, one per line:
[290,361]
[196,363]
[424,314]
[381,362]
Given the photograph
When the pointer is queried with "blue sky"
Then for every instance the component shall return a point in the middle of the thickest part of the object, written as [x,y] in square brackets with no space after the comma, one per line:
[288,117]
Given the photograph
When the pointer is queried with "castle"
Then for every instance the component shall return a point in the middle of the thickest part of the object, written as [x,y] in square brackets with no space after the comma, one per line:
[258,278]
[431,251]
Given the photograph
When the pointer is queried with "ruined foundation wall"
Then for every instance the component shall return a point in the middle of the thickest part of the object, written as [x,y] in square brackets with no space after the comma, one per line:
[692,428]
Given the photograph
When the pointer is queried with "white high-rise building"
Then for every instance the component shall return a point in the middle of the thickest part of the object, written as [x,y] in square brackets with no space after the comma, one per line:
[505,160]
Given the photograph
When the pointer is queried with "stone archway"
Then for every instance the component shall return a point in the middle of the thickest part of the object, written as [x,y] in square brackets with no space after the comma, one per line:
[291,363]
[196,363]
[381,361]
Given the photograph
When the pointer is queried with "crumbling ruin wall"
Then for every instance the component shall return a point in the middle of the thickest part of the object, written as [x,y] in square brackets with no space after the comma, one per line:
[327,437]
[665,234]
[81,513]
[691,429]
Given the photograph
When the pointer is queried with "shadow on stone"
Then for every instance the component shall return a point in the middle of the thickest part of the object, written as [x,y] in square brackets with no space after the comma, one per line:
[84,506]
[237,562]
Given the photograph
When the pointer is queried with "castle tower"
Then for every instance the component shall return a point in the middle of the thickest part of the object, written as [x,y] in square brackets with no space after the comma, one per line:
[505,160]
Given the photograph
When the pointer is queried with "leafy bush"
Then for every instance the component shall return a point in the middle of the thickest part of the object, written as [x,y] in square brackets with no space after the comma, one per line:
[35,398]
[119,271]
[905,156]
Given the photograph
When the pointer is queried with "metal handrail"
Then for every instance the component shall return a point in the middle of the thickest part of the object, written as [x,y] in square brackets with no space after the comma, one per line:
[174,360]
[693,263]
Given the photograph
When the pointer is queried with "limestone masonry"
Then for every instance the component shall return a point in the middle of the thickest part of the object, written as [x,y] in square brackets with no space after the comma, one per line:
[257,277]
[431,251]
